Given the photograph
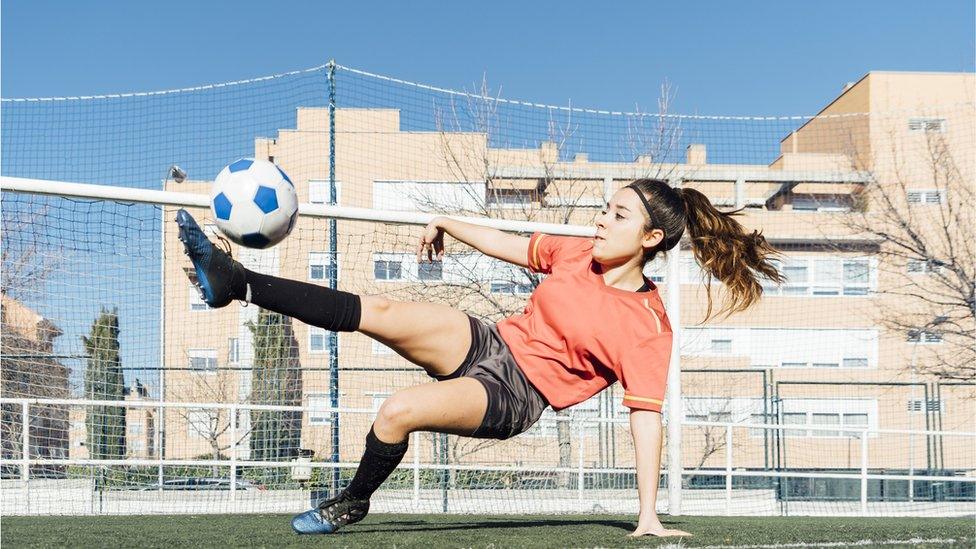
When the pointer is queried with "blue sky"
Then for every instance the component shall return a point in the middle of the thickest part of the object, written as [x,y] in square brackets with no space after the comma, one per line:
[732,58]
[724,58]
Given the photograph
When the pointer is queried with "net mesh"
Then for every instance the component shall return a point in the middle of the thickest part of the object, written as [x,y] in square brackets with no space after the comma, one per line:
[870,203]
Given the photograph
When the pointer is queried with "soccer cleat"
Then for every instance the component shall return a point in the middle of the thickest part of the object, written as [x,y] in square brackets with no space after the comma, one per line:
[215,272]
[331,514]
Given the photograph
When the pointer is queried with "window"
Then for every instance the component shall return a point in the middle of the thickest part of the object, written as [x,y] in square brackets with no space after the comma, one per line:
[233,350]
[925,196]
[196,300]
[135,428]
[931,405]
[817,347]
[379,349]
[378,399]
[509,287]
[508,198]
[198,423]
[916,266]
[136,446]
[854,420]
[757,419]
[384,269]
[823,276]
[318,266]
[822,420]
[722,346]
[926,125]
[922,336]
[430,270]
[696,417]
[203,360]
[795,419]
[510,279]
[316,340]
[318,192]
[318,403]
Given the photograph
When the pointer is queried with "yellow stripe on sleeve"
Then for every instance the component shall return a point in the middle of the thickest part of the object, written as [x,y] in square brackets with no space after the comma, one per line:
[534,256]
[643,399]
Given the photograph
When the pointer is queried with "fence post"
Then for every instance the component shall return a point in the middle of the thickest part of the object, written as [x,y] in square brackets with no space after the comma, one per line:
[674,408]
[579,476]
[416,469]
[25,450]
[728,469]
[864,472]
[233,456]
[25,438]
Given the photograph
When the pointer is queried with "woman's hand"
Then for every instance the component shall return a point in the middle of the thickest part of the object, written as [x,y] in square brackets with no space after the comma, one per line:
[431,241]
[653,527]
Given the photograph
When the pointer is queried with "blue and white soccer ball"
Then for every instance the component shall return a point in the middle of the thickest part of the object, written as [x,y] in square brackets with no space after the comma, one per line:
[254,202]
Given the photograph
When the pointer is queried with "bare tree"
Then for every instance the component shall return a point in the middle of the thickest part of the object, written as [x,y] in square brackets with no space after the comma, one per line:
[925,250]
[212,424]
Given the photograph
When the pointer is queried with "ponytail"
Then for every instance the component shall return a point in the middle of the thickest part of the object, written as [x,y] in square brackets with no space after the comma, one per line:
[726,251]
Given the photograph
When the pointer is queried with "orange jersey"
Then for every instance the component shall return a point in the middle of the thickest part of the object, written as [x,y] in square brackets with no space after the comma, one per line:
[577,335]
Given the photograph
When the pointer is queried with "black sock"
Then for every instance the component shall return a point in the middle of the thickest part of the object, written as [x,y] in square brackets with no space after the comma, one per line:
[315,305]
[379,460]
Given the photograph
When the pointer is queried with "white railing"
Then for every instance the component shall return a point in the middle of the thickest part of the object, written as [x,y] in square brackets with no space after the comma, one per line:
[729,471]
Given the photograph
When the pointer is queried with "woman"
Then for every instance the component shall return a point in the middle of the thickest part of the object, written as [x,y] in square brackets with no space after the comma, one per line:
[594,320]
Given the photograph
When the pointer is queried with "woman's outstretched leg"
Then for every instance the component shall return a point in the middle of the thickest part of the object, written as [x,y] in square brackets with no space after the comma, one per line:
[456,406]
[435,337]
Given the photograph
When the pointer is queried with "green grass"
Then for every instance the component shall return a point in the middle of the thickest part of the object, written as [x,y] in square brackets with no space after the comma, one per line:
[466,531]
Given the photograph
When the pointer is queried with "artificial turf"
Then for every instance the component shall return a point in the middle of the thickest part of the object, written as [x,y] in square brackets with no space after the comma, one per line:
[472,531]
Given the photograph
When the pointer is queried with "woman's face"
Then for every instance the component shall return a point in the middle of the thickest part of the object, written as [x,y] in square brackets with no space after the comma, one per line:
[620,232]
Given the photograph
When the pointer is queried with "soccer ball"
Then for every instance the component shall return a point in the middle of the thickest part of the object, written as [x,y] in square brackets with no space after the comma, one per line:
[254,202]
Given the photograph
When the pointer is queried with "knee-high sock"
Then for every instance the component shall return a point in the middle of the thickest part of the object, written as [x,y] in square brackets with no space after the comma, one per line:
[333,310]
[379,460]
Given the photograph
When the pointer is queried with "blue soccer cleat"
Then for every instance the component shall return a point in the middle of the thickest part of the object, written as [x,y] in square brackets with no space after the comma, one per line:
[219,278]
[330,515]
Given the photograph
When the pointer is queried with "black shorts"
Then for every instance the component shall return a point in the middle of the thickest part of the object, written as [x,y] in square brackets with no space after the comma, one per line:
[514,404]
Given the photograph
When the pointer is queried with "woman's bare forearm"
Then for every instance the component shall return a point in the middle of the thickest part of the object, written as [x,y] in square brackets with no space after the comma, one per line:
[645,426]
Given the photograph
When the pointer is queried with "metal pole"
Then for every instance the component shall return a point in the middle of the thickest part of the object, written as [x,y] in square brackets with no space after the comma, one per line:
[579,477]
[233,456]
[160,436]
[25,450]
[674,378]
[416,469]
[333,279]
[864,472]
[728,469]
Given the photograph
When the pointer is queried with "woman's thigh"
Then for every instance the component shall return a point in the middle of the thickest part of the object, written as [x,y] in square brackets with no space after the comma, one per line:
[433,336]
[455,406]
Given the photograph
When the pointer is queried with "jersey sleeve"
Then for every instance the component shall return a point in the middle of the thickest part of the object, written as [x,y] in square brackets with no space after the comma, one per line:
[644,374]
[546,251]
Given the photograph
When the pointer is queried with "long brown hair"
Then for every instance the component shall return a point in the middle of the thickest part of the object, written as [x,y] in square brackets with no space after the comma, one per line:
[722,246]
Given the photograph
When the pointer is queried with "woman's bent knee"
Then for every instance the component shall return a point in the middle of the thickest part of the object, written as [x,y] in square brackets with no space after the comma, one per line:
[395,419]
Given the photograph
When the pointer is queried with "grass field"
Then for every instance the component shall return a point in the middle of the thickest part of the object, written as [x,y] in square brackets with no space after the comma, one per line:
[479,531]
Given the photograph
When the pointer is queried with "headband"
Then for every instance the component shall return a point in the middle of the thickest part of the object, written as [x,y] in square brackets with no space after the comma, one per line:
[647,204]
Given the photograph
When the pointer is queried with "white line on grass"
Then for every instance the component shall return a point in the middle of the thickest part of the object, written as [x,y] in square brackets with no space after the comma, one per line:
[859,543]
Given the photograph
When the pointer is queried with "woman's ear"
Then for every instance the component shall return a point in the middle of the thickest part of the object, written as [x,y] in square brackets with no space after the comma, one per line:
[652,238]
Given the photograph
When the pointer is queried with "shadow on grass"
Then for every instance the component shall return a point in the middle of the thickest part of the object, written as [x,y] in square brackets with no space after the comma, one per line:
[426,526]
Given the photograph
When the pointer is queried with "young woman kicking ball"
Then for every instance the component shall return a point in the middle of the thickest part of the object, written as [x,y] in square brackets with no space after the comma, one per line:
[594,320]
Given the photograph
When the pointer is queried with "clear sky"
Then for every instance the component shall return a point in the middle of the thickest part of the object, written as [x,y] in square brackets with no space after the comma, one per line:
[742,57]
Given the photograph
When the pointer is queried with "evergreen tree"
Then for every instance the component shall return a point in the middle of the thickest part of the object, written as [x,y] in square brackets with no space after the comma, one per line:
[103,381]
[276,380]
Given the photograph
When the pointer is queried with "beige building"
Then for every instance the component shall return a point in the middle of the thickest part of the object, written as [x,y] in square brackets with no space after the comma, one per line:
[31,371]
[812,354]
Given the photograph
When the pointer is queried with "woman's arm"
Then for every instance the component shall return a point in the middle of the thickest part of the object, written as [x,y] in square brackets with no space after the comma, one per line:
[645,427]
[498,244]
